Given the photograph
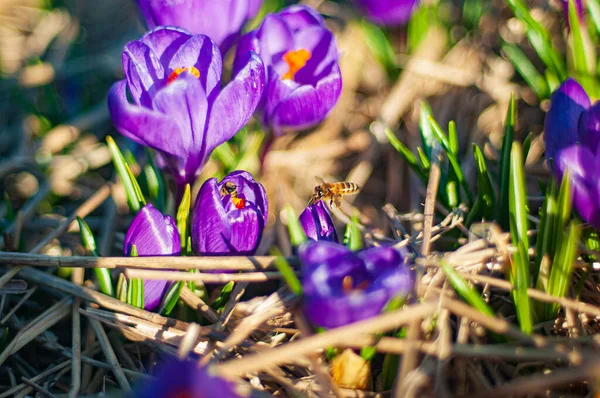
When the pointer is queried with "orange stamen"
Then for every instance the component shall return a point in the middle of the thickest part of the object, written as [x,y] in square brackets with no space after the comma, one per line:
[239,203]
[296,60]
[178,71]
[348,285]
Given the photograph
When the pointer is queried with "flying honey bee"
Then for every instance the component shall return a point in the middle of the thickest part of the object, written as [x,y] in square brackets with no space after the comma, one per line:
[229,188]
[333,191]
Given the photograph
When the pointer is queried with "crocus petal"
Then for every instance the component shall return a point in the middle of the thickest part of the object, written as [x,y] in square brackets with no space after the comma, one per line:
[165,41]
[247,226]
[209,221]
[184,100]
[388,12]
[154,291]
[379,259]
[247,43]
[561,128]
[578,6]
[235,104]
[220,20]
[142,69]
[300,16]
[184,378]
[144,126]
[275,38]
[317,223]
[313,253]
[583,173]
[254,7]
[276,91]
[589,127]
[321,44]
[203,54]
[332,312]
[153,235]
[308,105]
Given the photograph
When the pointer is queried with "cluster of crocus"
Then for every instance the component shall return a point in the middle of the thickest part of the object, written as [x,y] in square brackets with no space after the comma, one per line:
[300,57]
[288,66]
[220,20]
[572,138]
[178,106]
[341,286]
[228,218]
[153,234]
[388,12]
[183,378]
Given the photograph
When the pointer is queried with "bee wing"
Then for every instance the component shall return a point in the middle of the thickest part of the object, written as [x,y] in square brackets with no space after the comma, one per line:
[321,180]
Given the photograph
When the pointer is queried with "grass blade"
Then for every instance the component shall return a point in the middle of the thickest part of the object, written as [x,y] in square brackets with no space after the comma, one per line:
[545,240]
[297,234]
[504,177]
[380,46]
[469,294]
[485,203]
[288,273]
[519,271]
[170,299]
[527,70]
[183,214]
[353,235]
[403,150]
[540,39]
[562,268]
[89,243]
[443,140]
[582,52]
[155,182]
[453,137]
[594,10]
[132,189]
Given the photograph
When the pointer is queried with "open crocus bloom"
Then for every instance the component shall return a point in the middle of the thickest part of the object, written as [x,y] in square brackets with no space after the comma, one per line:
[317,223]
[388,12]
[301,58]
[572,138]
[229,216]
[341,286]
[185,379]
[178,106]
[220,20]
[153,234]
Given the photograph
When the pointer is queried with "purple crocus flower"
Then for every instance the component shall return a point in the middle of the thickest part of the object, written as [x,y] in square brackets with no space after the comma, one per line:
[153,234]
[178,108]
[301,59]
[388,12]
[572,138]
[185,379]
[220,20]
[229,216]
[317,223]
[341,286]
